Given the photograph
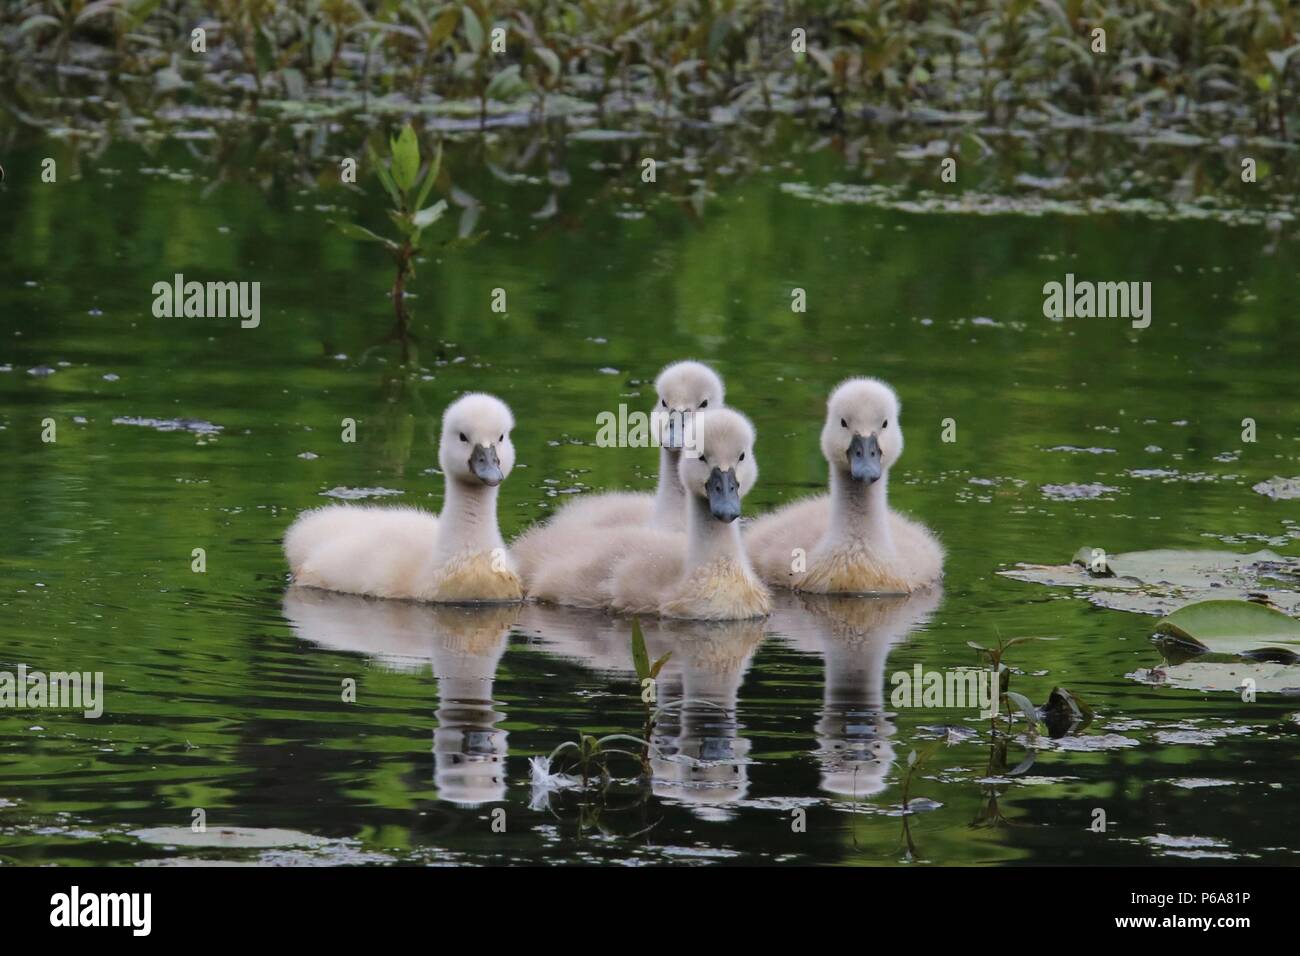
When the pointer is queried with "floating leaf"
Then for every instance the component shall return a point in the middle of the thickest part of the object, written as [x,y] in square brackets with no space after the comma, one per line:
[1237,628]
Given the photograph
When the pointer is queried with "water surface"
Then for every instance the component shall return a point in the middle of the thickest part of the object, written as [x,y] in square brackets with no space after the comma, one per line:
[224,688]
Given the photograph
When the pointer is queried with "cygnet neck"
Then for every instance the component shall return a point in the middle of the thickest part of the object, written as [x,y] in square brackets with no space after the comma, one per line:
[708,538]
[860,512]
[468,521]
[670,497]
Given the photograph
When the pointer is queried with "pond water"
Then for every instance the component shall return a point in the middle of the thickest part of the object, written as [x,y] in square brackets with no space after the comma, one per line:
[223,688]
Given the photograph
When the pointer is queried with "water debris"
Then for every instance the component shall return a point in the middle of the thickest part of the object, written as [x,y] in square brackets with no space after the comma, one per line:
[1074,449]
[544,782]
[195,425]
[227,837]
[1279,488]
[40,371]
[1198,783]
[1085,744]
[971,203]
[1199,737]
[1077,492]
[353,494]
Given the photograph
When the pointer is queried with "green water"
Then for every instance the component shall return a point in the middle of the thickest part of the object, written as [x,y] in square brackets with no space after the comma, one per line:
[222,693]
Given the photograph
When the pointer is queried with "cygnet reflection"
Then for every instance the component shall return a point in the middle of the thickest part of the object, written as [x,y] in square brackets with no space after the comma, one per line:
[854,636]
[698,756]
[463,644]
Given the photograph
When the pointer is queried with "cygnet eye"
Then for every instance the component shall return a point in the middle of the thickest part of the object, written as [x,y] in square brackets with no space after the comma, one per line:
[501,438]
[463,438]
[704,403]
[703,460]
[742,456]
[886,424]
[843,423]
[663,402]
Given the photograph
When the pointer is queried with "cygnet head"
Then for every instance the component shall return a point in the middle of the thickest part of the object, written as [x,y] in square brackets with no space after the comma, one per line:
[684,388]
[862,437]
[475,447]
[718,461]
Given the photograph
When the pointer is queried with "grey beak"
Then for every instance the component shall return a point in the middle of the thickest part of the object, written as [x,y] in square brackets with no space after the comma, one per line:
[675,431]
[485,464]
[724,494]
[864,458]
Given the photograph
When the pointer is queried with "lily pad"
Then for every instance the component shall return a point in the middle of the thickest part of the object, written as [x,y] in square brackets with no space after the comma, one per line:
[1233,628]
[1264,678]
[1161,581]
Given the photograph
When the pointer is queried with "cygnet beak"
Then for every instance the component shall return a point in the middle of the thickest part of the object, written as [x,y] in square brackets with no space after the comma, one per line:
[864,458]
[485,465]
[724,494]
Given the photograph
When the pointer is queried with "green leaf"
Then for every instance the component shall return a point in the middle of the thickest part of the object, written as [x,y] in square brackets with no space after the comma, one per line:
[1025,706]
[549,59]
[718,33]
[473,29]
[658,665]
[444,26]
[353,231]
[263,52]
[406,158]
[507,84]
[640,659]
[430,177]
[1241,628]
[386,178]
[404,222]
[32,24]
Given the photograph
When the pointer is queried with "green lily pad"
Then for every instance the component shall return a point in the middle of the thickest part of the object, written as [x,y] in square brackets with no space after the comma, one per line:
[1263,677]
[1161,581]
[1230,628]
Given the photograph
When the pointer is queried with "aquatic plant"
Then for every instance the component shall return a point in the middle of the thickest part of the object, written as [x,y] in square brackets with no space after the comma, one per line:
[592,754]
[408,190]
[646,671]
